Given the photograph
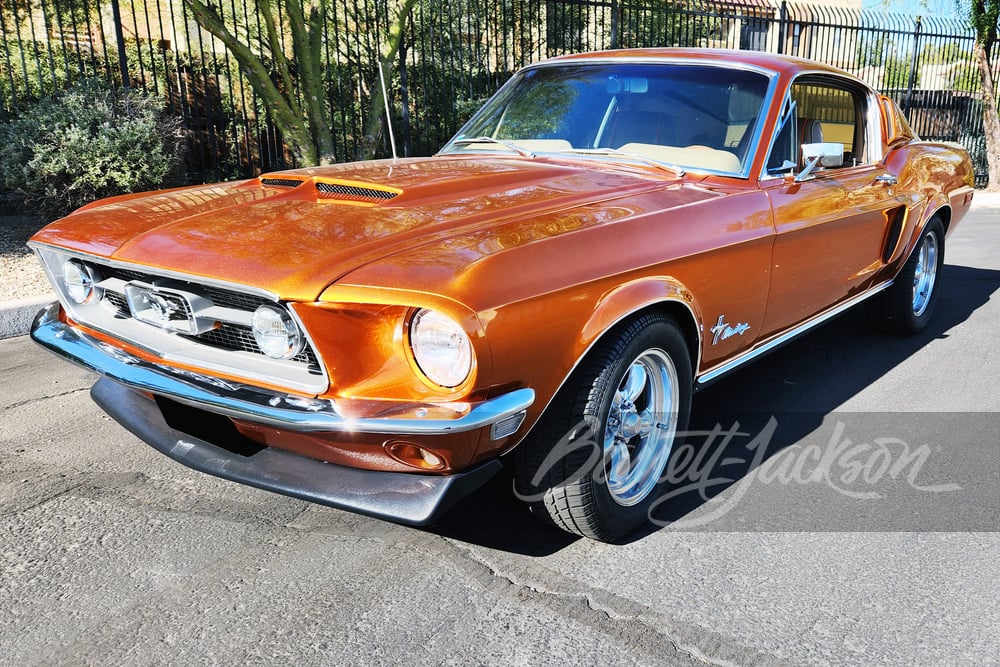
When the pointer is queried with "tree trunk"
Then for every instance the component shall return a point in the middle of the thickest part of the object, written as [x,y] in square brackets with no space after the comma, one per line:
[375,122]
[306,24]
[307,131]
[991,119]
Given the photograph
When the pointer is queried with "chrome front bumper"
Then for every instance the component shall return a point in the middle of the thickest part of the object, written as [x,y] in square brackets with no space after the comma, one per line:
[262,406]
[410,498]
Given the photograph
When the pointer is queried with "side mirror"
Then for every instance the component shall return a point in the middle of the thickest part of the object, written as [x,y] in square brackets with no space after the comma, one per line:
[826,154]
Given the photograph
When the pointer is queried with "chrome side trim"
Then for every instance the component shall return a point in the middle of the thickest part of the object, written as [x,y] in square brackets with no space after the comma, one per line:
[752,354]
[260,405]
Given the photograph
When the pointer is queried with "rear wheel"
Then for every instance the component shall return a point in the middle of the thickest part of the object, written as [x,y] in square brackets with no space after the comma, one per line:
[906,307]
[596,463]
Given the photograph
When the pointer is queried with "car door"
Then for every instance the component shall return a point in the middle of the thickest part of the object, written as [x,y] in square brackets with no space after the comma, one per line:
[831,228]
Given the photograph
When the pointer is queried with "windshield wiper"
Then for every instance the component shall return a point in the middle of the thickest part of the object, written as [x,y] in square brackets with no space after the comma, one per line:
[611,152]
[490,140]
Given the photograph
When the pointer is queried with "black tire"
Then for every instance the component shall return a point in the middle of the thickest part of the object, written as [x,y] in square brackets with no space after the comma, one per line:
[906,307]
[594,464]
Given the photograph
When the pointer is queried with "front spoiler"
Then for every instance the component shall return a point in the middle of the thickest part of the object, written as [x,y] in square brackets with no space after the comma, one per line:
[412,499]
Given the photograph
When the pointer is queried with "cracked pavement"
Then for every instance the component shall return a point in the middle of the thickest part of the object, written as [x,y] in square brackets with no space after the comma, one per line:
[113,554]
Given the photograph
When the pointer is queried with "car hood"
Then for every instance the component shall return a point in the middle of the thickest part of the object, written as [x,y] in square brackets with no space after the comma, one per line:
[285,234]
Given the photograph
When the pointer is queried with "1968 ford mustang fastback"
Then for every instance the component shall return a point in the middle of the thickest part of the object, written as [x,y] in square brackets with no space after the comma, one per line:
[609,232]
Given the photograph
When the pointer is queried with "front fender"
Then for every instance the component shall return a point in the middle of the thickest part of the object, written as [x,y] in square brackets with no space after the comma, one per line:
[630,298]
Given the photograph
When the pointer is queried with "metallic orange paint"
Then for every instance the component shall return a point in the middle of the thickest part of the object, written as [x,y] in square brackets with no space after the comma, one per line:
[536,258]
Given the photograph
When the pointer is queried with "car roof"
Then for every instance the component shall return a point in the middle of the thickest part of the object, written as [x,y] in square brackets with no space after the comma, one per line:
[769,61]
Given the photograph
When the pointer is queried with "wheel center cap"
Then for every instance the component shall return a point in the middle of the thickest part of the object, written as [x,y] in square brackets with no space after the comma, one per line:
[631,424]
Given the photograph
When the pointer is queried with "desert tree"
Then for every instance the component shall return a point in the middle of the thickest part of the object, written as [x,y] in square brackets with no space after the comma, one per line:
[291,85]
[984,16]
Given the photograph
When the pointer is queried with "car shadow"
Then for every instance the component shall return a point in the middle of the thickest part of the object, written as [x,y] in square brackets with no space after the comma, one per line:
[493,517]
[802,382]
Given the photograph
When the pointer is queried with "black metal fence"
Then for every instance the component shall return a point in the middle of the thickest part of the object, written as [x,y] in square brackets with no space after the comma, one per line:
[454,54]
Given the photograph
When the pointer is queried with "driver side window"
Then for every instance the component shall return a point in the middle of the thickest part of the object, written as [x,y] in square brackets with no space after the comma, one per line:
[819,110]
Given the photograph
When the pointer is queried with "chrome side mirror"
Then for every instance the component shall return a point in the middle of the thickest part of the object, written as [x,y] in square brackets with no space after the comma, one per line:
[826,154]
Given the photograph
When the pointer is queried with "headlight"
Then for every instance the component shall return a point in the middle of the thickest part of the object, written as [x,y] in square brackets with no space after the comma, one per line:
[275,331]
[79,280]
[441,348]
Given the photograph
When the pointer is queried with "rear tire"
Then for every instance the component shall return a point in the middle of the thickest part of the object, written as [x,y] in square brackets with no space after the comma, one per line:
[594,465]
[906,307]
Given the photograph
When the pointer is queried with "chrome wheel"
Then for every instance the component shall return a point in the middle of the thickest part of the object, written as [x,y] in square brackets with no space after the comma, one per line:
[640,428]
[633,394]
[907,305]
[925,273]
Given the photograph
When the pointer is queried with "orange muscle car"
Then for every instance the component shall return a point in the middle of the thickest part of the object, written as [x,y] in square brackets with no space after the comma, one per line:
[609,232]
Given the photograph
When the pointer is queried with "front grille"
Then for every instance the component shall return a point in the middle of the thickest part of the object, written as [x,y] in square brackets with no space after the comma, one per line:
[219,296]
[227,335]
[117,301]
[232,337]
[353,192]
[124,274]
[230,299]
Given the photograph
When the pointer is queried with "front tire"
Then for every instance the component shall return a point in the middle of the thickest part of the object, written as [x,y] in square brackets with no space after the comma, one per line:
[595,464]
[906,307]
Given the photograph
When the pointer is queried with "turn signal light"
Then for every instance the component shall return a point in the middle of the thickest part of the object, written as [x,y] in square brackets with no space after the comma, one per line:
[414,455]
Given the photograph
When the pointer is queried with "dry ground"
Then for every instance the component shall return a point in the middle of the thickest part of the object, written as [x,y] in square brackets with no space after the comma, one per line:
[21,275]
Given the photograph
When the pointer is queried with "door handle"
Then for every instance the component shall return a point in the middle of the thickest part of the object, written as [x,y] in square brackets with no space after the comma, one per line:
[887,179]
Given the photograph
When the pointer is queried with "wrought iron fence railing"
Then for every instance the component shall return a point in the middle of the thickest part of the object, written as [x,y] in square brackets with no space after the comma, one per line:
[453,55]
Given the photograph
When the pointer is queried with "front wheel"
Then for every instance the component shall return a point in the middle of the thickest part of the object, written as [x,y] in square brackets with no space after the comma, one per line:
[596,463]
[906,306]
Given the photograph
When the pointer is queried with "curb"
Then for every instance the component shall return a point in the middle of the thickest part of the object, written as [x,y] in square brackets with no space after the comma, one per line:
[16,315]
[986,199]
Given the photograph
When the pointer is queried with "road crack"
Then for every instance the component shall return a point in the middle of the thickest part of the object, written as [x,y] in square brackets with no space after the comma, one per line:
[630,623]
[37,399]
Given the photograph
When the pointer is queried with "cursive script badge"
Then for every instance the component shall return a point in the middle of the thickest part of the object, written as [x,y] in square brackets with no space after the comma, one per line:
[723,330]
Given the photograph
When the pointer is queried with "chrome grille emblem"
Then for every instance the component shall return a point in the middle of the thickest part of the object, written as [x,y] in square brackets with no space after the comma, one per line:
[166,309]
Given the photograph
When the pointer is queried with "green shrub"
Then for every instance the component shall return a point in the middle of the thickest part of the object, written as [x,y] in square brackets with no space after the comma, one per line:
[86,143]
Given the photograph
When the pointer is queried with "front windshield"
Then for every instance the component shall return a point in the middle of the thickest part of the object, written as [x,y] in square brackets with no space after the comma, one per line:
[699,117]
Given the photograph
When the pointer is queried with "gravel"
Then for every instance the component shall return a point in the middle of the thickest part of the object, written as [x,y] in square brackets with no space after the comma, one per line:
[21,274]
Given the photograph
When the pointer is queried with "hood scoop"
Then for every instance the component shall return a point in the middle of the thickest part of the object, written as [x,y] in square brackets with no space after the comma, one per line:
[349,191]
[335,190]
[283,182]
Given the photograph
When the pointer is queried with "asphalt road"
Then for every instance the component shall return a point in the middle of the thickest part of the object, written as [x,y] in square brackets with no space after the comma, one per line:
[857,527]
